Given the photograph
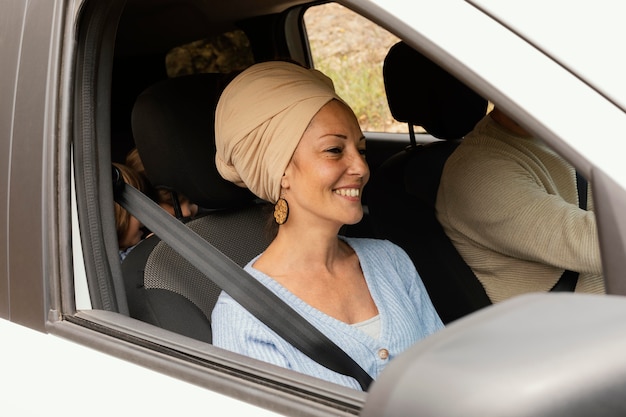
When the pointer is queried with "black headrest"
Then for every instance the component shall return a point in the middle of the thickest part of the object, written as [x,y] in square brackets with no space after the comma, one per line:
[173,126]
[421,93]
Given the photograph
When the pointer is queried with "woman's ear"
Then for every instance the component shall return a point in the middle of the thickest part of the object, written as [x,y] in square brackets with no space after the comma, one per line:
[284,180]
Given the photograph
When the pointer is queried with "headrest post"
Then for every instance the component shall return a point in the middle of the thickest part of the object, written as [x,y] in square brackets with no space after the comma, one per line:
[412,135]
[178,211]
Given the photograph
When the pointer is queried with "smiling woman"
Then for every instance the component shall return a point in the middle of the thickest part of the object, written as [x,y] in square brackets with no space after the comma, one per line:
[88,80]
[348,288]
[332,147]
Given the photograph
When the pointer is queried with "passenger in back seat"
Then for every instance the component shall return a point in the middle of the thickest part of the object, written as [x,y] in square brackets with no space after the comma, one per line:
[283,132]
[176,204]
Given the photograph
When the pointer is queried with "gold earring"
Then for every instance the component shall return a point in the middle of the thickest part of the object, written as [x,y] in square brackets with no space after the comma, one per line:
[281,211]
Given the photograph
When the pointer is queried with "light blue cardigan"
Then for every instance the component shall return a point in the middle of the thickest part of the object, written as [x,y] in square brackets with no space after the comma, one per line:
[406,313]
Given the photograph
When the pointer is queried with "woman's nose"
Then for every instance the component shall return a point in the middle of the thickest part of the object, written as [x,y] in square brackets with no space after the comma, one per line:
[358,164]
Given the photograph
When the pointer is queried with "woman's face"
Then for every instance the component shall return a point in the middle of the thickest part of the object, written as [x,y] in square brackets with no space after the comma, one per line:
[327,173]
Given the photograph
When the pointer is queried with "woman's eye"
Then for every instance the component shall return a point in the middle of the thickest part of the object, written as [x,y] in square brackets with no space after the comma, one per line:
[362,152]
[334,150]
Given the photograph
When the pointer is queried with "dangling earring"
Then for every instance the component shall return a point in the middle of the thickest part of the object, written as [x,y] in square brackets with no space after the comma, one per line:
[281,211]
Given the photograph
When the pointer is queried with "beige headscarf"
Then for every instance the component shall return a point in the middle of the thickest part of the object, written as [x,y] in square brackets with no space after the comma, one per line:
[260,119]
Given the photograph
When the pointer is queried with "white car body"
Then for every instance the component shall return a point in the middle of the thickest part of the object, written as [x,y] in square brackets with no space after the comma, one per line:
[557,65]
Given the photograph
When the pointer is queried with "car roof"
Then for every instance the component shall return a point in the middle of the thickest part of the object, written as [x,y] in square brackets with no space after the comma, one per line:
[581,38]
[145,21]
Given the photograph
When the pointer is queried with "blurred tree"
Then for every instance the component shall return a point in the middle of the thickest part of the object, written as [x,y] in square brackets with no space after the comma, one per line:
[223,53]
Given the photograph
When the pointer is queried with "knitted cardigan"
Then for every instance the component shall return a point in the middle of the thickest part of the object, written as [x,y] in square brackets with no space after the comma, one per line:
[510,206]
[406,316]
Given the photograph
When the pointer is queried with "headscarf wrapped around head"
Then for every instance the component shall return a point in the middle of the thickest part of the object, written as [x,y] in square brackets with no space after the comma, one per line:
[260,119]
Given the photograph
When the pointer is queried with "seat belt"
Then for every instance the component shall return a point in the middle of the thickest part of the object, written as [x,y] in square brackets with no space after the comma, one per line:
[581,186]
[241,286]
[569,279]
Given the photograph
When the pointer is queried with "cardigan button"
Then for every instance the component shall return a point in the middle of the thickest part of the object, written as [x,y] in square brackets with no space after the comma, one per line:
[383,354]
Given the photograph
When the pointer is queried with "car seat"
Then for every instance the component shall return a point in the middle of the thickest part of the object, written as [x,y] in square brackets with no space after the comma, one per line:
[172,123]
[403,191]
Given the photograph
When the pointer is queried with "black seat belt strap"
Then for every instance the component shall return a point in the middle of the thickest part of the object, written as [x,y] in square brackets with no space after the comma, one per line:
[569,279]
[581,186]
[241,286]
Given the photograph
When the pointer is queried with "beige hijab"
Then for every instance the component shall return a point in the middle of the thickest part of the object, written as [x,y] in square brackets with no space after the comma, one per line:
[260,118]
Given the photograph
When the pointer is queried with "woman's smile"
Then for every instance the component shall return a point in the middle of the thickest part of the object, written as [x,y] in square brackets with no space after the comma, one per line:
[353,193]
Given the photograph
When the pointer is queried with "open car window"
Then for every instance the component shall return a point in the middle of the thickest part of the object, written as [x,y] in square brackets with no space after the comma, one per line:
[337,37]
[131,76]
[135,121]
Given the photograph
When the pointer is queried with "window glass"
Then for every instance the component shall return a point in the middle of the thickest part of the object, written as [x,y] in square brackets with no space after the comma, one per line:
[350,49]
[223,53]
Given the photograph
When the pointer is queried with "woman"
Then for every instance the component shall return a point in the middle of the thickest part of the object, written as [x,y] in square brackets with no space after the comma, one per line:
[282,131]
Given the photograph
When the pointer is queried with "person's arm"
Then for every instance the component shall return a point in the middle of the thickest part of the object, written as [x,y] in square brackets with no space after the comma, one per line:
[499,205]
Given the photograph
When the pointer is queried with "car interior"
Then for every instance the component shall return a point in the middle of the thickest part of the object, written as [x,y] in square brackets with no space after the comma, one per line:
[171,124]
[169,119]
[402,194]
[172,129]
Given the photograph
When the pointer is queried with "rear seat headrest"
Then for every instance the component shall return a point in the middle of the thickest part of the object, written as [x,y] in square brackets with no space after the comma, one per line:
[173,126]
[421,93]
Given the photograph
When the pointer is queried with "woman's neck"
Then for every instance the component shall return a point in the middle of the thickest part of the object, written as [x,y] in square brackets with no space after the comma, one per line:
[308,248]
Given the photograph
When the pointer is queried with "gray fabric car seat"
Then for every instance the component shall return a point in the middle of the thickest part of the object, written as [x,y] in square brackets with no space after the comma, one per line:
[172,125]
[403,191]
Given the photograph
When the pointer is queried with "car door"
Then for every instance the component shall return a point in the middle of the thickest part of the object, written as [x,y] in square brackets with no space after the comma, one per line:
[55,362]
[69,345]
